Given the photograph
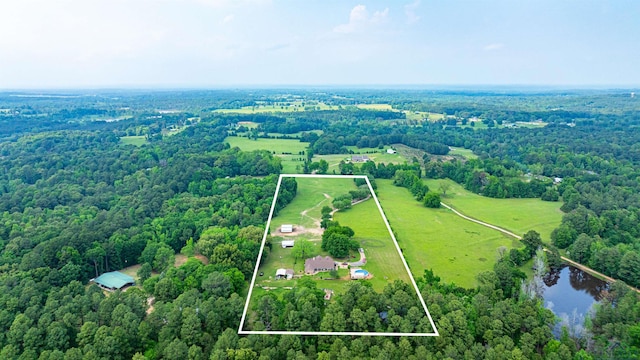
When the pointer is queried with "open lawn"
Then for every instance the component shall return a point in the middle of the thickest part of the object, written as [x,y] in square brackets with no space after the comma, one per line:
[516,215]
[133,140]
[313,194]
[456,249]
[466,153]
[383,259]
[279,146]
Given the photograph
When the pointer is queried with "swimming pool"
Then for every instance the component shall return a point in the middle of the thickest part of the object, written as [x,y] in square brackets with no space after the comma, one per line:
[362,272]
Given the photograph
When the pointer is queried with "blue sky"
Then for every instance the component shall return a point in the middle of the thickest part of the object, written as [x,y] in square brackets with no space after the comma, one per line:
[220,43]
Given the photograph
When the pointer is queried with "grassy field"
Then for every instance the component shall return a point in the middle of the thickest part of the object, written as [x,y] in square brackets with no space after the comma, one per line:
[375,106]
[516,215]
[466,153]
[310,199]
[456,249]
[334,159]
[133,140]
[278,145]
[383,259]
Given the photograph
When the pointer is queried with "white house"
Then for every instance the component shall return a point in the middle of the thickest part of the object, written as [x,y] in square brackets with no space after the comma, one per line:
[286,228]
[391,151]
[287,243]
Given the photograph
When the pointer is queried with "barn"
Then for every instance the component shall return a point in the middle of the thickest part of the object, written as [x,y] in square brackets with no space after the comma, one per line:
[114,280]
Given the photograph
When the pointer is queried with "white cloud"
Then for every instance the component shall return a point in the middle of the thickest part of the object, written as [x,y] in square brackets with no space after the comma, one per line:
[494,47]
[227,19]
[410,12]
[359,19]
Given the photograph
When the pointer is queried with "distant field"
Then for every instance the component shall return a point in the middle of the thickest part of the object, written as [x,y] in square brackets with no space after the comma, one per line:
[422,115]
[375,106]
[517,215]
[466,153]
[456,249]
[285,107]
[133,140]
[383,260]
[278,145]
[379,157]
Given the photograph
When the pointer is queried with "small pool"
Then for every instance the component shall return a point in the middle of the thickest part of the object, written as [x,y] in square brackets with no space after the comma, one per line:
[362,272]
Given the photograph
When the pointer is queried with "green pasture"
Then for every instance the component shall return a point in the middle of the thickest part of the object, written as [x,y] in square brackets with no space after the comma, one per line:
[378,157]
[466,153]
[292,164]
[383,259]
[375,106]
[248,124]
[333,160]
[309,200]
[516,215]
[456,249]
[133,140]
[278,146]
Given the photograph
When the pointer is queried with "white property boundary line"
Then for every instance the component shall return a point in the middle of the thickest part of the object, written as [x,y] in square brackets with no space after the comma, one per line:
[315,333]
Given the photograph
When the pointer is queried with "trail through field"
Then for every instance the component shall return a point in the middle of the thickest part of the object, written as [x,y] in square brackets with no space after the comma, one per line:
[573,263]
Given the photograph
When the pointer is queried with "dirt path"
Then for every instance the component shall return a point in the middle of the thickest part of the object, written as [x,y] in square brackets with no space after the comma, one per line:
[507,232]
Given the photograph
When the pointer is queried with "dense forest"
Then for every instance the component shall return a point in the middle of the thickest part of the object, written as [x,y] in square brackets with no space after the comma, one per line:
[75,201]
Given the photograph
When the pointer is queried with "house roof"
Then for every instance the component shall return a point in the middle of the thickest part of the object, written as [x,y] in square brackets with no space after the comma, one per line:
[319,262]
[114,280]
[281,272]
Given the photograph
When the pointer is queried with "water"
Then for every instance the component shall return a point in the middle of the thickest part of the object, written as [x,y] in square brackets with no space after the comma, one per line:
[571,293]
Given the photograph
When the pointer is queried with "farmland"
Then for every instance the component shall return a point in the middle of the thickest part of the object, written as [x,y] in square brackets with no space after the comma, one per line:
[305,208]
[516,215]
[133,140]
[455,249]
[288,150]
[383,259]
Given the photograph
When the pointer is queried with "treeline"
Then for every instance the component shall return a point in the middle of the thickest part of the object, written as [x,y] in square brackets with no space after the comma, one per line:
[492,178]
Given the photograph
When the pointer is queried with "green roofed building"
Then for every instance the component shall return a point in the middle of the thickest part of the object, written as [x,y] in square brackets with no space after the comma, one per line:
[114,280]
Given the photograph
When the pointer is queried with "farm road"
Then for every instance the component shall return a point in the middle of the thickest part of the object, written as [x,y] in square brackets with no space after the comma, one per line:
[573,263]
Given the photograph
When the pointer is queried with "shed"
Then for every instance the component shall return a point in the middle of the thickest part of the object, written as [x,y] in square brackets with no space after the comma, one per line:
[391,151]
[288,243]
[284,274]
[286,228]
[114,280]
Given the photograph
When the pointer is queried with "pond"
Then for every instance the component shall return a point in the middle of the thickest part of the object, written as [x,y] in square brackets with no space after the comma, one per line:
[570,293]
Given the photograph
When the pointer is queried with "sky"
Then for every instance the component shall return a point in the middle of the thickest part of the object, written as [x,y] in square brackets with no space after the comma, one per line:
[236,43]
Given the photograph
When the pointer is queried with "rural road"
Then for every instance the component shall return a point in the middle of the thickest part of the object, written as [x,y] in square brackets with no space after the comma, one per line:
[573,263]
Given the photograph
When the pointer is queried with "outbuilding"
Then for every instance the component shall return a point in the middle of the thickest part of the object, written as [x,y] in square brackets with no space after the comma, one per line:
[114,280]
[284,274]
[287,243]
[286,228]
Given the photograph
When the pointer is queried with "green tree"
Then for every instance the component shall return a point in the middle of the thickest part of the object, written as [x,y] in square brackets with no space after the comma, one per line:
[144,272]
[302,249]
[431,200]
[532,241]
[164,259]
